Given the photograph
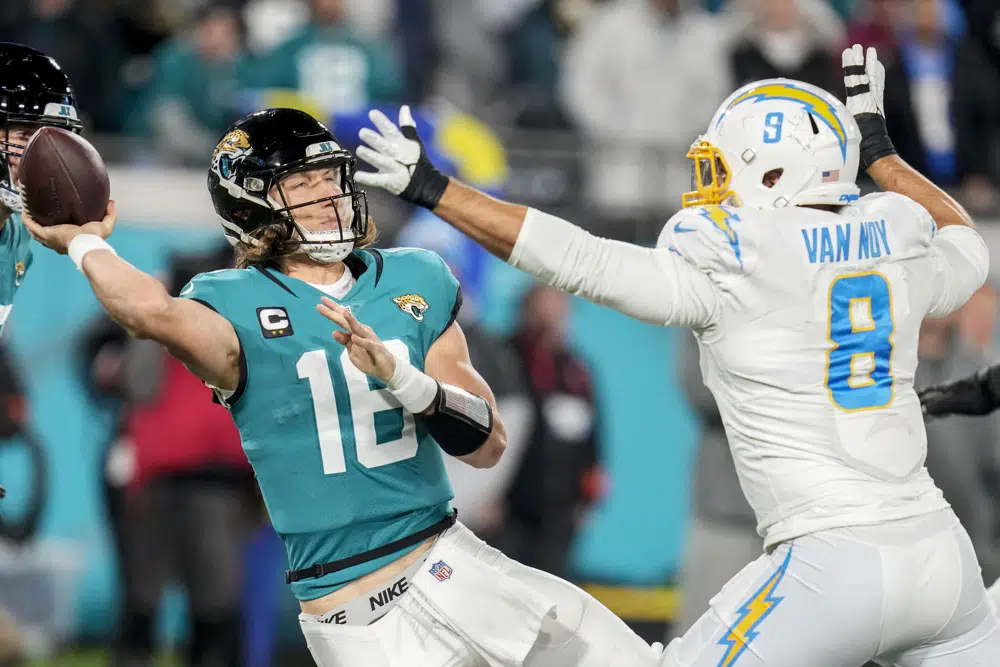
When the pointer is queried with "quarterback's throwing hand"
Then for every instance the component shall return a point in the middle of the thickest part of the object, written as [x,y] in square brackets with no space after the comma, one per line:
[364,348]
[864,79]
[58,237]
[401,159]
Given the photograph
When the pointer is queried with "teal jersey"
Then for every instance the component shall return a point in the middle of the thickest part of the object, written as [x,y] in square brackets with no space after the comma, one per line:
[342,467]
[15,258]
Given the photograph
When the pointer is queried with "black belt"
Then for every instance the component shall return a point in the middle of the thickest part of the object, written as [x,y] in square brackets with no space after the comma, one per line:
[316,571]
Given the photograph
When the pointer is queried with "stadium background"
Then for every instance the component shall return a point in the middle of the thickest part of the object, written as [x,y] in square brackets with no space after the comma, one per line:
[509,122]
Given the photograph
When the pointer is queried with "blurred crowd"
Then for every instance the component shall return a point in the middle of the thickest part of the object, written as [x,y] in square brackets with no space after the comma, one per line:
[634,80]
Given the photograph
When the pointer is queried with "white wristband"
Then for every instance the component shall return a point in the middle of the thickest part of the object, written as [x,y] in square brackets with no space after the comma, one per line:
[414,389]
[84,243]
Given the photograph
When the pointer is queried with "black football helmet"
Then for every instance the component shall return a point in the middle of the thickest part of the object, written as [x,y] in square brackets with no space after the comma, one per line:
[33,91]
[252,157]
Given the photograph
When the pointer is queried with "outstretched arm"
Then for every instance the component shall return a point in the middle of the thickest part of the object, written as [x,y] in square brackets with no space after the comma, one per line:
[199,337]
[560,254]
[492,223]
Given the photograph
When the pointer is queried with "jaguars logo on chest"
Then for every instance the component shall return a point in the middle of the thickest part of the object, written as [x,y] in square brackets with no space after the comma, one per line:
[412,304]
[18,273]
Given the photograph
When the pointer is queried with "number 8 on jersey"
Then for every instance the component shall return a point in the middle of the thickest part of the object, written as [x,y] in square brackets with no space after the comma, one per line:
[860,328]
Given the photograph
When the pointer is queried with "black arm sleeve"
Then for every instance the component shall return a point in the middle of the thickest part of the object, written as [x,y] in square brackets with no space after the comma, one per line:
[978,394]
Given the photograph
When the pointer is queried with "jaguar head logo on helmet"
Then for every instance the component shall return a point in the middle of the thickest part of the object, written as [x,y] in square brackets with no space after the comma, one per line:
[777,143]
[283,185]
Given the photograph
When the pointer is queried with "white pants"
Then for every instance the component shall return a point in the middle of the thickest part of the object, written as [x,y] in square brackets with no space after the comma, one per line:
[907,594]
[715,553]
[482,609]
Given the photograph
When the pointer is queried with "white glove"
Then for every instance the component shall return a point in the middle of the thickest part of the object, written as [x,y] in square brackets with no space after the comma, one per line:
[864,79]
[401,159]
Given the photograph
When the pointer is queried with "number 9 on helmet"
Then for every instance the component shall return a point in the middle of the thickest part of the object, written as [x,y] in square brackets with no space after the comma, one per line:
[777,143]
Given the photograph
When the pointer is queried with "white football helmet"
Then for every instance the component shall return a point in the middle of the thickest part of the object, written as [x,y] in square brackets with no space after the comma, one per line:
[777,143]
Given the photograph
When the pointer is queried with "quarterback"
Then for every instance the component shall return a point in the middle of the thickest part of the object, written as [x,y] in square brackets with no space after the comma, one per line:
[347,376]
[806,301]
[34,93]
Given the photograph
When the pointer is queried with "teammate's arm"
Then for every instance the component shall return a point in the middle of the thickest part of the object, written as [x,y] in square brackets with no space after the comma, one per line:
[560,254]
[457,404]
[199,337]
[977,394]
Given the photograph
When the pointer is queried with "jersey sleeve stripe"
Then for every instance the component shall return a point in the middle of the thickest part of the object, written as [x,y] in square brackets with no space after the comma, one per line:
[272,278]
[379,264]
[454,311]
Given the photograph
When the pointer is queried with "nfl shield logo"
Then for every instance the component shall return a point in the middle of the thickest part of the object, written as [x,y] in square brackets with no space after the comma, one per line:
[440,570]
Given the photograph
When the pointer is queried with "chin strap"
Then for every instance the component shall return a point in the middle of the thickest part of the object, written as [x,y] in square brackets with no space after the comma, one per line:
[325,251]
[328,253]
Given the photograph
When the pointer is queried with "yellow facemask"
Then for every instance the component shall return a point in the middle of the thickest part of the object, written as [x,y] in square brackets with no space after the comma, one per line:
[710,178]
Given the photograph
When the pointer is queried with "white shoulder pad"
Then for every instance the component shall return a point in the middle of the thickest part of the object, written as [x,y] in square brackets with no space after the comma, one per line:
[710,237]
[910,226]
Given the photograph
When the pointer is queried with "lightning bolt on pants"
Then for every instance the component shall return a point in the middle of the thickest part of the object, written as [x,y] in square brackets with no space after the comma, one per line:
[906,594]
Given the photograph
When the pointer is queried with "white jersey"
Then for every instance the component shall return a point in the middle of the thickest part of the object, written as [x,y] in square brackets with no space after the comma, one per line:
[807,323]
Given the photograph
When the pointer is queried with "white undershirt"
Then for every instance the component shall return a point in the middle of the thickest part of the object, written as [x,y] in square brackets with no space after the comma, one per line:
[339,289]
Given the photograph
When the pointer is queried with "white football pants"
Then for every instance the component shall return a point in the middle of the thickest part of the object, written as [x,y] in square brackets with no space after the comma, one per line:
[482,609]
[906,594]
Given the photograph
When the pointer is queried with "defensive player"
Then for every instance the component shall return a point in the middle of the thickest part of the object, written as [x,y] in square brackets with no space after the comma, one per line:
[34,93]
[345,426]
[806,302]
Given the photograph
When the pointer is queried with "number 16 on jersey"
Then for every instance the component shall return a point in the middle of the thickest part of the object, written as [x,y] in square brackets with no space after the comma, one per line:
[860,328]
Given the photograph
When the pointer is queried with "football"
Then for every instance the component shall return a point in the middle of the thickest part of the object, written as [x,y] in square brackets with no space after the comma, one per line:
[63,179]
